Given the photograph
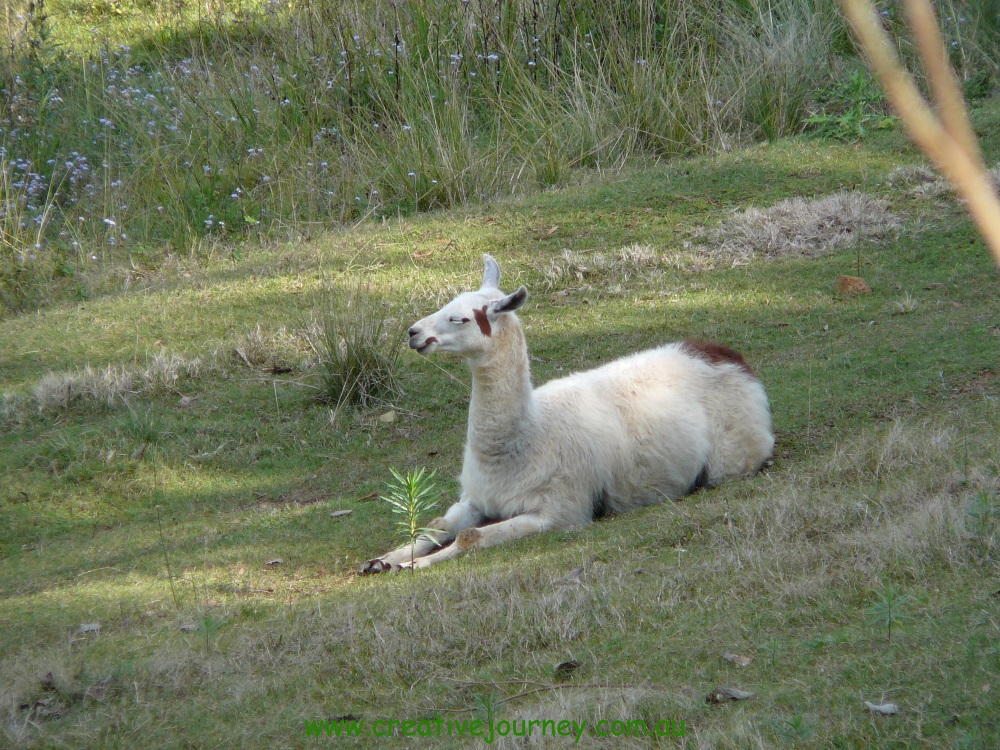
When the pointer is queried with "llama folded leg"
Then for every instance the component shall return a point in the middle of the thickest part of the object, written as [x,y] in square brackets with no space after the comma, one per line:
[459,517]
[517,527]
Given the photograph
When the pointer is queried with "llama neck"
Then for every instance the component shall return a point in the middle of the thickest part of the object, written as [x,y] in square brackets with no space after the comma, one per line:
[503,402]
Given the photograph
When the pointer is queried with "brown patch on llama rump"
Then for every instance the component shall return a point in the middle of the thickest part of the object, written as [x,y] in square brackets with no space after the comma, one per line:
[483,322]
[717,354]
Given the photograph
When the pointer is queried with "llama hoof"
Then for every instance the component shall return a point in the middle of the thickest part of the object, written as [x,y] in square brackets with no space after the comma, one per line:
[375,566]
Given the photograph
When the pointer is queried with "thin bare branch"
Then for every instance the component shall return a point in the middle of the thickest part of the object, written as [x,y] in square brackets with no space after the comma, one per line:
[945,143]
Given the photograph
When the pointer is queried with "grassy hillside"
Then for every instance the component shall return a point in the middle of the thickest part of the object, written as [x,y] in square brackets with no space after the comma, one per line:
[158,512]
[131,129]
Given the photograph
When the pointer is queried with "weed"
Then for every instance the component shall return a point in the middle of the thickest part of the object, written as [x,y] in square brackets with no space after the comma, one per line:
[851,108]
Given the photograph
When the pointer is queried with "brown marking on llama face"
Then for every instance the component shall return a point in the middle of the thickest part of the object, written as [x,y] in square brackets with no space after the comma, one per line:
[717,354]
[482,321]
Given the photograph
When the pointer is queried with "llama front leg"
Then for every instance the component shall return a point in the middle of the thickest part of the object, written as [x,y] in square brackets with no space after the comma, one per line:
[487,536]
[459,517]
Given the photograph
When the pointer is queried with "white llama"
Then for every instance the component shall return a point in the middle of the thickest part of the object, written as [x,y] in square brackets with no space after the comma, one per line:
[639,430]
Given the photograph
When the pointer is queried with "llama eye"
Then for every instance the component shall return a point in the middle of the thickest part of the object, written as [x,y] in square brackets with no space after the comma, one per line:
[459,321]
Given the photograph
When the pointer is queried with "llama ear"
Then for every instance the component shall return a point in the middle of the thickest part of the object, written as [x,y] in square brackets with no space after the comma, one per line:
[510,303]
[491,273]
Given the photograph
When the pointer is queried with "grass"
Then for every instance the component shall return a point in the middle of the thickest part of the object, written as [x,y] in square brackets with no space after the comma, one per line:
[218,485]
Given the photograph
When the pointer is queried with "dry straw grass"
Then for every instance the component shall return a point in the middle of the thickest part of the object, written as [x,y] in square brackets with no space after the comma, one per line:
[923,182]
[799,227]
[612,270]
[107,387]
[261,349]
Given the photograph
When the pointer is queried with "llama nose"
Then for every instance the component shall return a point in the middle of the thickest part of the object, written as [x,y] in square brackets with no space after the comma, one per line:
[414,331]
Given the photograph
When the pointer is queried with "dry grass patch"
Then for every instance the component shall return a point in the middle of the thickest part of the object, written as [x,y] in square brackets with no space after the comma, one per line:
[920,181]
[612,271]
[114,384]
[800,227]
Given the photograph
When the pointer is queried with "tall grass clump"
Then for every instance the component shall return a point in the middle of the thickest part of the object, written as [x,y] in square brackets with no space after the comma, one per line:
[358,347]
[165,127]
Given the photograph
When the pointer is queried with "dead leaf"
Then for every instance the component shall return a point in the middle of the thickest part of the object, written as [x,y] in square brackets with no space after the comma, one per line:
[98,691]
[341,513]
[885,709]
[427,254]
[275,561]
[389,416]
[48,682]
[564,669]
[544,231]
[369,497]
[936,285]
[721,695]
[570,579]
[737,660]
[138,453]
[853,285]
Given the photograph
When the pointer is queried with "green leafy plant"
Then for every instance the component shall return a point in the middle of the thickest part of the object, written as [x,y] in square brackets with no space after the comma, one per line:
[888,609]
[411,497]
[851,108]
[358,346]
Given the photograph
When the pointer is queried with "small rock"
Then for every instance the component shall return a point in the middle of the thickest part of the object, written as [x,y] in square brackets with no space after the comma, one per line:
[885,709]
[275,561]
[737,660]
[89,627]
[721,695]
[340,513]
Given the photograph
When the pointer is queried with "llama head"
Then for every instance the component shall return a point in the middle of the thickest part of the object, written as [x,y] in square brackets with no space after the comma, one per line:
[466,324]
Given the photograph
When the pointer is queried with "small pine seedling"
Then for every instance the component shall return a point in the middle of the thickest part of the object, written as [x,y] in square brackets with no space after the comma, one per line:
[412,497]
[888,609]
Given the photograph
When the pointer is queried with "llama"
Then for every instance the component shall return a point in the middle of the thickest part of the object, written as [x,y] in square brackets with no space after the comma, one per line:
[645,428]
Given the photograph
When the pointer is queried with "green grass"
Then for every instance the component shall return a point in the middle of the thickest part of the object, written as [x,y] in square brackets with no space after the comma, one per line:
[886,477]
